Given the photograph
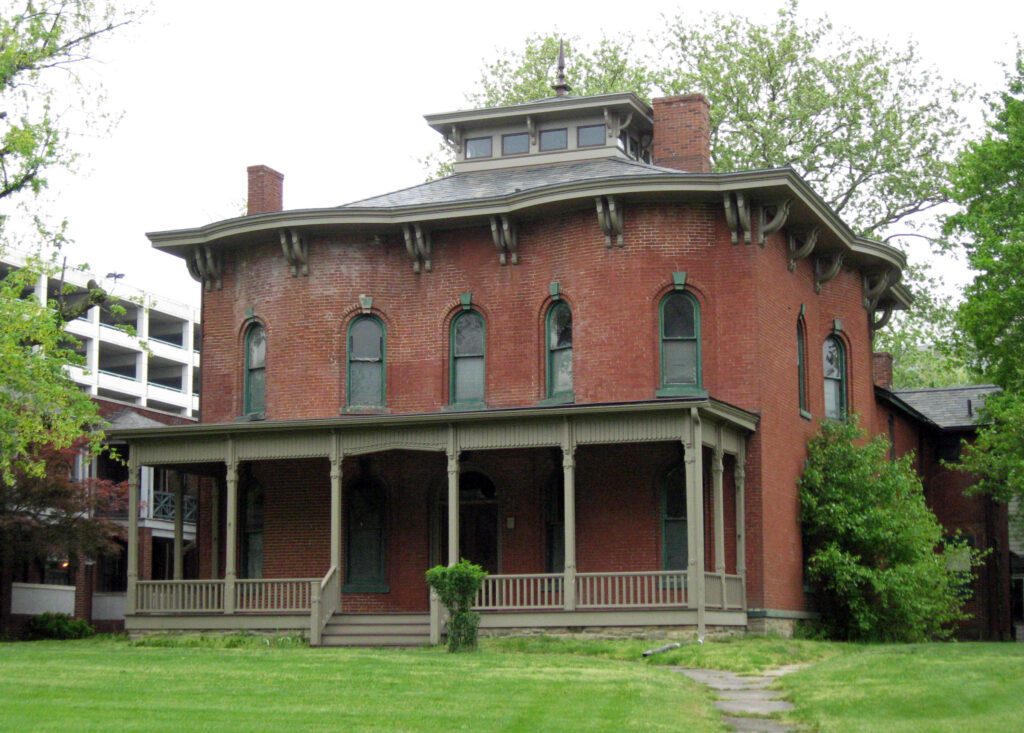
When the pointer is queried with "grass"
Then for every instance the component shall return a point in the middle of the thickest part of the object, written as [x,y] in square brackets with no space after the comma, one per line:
[528,684]
[226,685]
[913,687]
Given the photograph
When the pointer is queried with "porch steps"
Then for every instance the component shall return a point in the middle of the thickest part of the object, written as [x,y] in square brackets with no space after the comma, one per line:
[377,629]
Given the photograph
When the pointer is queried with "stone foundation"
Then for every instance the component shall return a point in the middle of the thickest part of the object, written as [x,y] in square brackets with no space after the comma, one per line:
[653,633]
[763,626]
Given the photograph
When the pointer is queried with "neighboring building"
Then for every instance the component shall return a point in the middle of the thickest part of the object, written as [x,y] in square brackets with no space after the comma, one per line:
[583,361]
[142,380]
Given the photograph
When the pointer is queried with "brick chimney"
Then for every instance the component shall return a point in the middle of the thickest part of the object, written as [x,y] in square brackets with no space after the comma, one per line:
[682,133]
[266,190]
[881,369]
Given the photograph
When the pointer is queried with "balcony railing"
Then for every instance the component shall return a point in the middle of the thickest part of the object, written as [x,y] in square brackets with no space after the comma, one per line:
[163,506]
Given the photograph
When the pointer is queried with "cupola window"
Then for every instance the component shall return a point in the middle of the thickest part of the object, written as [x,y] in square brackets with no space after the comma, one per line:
[517,144]
[588,136]
[479,147]
[554,139]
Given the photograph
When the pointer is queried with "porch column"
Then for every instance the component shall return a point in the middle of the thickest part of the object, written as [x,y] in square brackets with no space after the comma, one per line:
[336,510]
[740,476]
[569,517]
[133,528]
[693,445]
[179,529]
[215,530]
[453,496]
[717,469]
[230,523]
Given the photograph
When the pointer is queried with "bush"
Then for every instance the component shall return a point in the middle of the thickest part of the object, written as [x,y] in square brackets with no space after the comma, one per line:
[877,560]
[59,626]
[457,587]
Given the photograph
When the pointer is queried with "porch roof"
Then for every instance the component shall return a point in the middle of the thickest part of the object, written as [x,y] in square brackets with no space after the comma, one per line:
[481,429]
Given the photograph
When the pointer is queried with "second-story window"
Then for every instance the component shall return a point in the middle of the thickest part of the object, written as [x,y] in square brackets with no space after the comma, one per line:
[467,351]
[680,342]
[478,147]
[255,370]
[833,357]
[559,349]
[366,350]
[516,144]
[554,139]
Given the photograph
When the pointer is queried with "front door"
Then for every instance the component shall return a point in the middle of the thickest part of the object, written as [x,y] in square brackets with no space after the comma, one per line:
[478,535]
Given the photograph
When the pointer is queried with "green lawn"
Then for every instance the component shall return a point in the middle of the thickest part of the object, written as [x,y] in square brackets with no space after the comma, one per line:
[914,687]
[534,684]
[107,685]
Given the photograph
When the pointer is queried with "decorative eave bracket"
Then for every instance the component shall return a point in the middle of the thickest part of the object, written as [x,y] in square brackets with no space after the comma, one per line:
[454,138]
[737,216]
[801,248]
[780,212]
[875,285]
[205,266]
[614,124]
[609,218]
[417,245]
[879,321]
[506,239]
[826,268]
[296,251]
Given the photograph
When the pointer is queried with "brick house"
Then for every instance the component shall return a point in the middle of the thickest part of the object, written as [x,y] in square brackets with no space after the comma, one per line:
[583,361]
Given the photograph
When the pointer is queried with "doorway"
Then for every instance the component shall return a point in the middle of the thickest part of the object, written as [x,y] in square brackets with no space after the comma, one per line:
[479,512]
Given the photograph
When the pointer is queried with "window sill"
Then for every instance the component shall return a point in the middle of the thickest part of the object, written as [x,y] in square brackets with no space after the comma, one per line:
[464,407]
[366,588]
[559,399]
[254,417]
[806,415]
[682,390]
[364,410]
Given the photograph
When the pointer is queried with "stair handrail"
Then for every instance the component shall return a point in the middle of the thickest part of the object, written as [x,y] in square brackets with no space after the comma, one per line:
[326,601]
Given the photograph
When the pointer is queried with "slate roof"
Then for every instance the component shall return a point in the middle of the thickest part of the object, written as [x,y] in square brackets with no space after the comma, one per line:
[948,407]
[477,185]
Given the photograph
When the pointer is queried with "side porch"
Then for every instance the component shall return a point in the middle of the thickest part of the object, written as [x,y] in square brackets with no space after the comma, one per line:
[616,517]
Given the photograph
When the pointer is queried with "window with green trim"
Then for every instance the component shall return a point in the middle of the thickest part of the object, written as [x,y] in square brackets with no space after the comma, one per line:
[255,370]
[675,552]
[680,342]
[801,364]
[252,530]
[467,358]
[554,515]
[559,350]
[834,361]
[366,349]
[364,537]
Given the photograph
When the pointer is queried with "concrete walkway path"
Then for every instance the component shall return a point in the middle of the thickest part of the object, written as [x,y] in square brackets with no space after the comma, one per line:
[742,696]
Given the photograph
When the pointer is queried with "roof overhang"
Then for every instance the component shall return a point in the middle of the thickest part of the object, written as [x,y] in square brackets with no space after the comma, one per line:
[621,102]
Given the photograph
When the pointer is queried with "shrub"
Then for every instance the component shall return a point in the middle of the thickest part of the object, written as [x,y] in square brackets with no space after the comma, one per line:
[456,587]
[877,560]
[58,626]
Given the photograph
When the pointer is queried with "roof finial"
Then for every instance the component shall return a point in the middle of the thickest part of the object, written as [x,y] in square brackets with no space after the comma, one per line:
[561,86]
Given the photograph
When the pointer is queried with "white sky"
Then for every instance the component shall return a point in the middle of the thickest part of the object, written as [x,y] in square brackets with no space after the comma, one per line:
[332,95]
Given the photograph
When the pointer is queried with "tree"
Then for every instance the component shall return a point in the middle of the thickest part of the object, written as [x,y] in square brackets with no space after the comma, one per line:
[988,184]
[877,560]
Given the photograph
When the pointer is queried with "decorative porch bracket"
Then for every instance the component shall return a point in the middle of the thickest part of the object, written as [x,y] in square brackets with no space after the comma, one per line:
[826,268]
[875,285]
[204,265]
[506,239]
[801,248]
[609,218]
[737,216]
[295,250]
[879,322]
[417,245]
[780,212]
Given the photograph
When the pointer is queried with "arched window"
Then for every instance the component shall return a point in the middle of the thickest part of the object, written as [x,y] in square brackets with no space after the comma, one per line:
[255,370]
[834,361]
[366,349]
[559,351]
[364,537]
[675,552]
[680,343]
[801,365]
[467,359]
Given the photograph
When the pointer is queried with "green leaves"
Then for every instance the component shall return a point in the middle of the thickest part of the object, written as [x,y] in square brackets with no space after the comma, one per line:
[875,551]
[456,587]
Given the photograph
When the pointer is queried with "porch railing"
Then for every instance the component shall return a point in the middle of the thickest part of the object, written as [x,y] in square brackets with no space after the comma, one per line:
[724,592]
[179,596]
[285,595]
[326,602]
[521,592]
[642,589]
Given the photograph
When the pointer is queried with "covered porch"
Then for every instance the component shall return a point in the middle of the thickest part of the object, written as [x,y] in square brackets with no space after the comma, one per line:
[592,516]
